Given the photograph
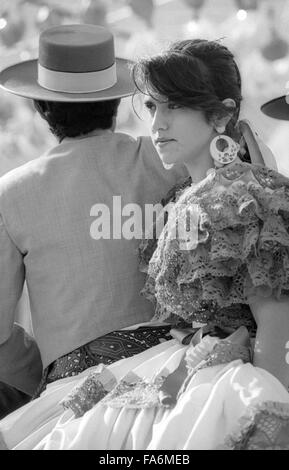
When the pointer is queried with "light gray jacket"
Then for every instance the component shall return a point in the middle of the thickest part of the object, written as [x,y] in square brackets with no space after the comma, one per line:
[79,287]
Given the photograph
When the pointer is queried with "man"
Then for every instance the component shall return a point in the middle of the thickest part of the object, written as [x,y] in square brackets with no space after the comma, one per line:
[83,282]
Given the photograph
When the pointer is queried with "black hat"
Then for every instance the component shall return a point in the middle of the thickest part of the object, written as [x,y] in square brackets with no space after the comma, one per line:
[278,108]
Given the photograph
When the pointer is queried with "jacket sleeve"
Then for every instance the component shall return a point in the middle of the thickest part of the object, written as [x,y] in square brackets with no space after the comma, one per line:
[20,364]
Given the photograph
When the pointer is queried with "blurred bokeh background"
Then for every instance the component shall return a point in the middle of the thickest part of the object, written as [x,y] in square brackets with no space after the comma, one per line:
[257,31]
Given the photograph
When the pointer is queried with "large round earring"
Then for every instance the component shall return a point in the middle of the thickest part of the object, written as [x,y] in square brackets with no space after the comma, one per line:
[226,156]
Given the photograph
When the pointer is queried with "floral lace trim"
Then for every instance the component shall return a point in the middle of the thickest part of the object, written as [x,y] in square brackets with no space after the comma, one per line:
[134,392]
[3,445]
[263,427]
[219,352]
[165,389]
[148,245]
[242,245]
[87,394]
[225,352]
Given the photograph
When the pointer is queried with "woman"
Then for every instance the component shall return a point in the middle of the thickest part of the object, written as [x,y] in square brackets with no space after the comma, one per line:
[189,110]
[206,394]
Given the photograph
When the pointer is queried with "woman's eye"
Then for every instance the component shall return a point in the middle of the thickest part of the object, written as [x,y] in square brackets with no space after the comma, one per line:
[150,106]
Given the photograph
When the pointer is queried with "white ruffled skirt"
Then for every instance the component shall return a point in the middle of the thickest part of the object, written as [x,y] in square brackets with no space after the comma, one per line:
[218,406]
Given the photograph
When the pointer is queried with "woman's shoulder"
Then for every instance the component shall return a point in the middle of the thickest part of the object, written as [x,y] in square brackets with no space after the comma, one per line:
[249,172]
[242,234]
[233,180]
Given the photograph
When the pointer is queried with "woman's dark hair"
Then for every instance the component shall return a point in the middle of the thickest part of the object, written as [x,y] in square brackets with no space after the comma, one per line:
[194,73]
[75,119]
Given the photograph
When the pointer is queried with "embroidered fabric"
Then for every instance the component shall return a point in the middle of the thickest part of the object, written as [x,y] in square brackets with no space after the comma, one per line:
[264,427]
[148,245]
[104,350]
[242,246]
[108,349]
[165,389]
[223,352]
[88,393]
[135,392]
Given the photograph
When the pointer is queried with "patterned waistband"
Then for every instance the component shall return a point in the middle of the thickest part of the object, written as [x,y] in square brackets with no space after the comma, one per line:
[105,350]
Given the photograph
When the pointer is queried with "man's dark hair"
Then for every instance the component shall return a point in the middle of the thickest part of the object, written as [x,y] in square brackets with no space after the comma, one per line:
[75,119]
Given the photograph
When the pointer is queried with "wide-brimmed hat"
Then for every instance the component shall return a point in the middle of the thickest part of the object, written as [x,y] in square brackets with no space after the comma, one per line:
[277,108]
[76,63]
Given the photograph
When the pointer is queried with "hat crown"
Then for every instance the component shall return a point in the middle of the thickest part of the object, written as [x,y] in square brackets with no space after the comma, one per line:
[76,63]
[76,48]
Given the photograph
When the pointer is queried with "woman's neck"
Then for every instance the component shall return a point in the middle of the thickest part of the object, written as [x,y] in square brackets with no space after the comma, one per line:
[198,168]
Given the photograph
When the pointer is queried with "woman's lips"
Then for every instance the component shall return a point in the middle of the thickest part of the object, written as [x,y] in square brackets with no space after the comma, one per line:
[163,142]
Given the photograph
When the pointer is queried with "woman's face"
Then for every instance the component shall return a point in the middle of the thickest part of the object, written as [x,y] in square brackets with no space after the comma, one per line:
[179,134]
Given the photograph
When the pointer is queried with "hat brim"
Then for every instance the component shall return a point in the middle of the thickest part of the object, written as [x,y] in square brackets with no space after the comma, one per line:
[21,79]
[278,108]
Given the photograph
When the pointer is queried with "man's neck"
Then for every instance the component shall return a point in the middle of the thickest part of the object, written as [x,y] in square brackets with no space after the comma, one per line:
[93,133]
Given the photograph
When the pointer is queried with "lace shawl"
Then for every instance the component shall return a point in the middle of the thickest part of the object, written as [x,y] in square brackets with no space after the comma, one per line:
[241,248]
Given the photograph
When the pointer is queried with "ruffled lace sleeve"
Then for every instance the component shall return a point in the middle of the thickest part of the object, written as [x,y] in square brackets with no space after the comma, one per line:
[241,245]
[149,243]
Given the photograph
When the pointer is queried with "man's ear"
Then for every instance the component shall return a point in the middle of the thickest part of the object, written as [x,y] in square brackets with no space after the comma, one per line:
[220,123]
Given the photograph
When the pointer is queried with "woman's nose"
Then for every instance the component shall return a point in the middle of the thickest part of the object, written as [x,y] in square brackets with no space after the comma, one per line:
[159,122]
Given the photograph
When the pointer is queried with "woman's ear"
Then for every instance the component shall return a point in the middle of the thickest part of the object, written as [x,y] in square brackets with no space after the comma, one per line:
[230,104]
[221,122]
